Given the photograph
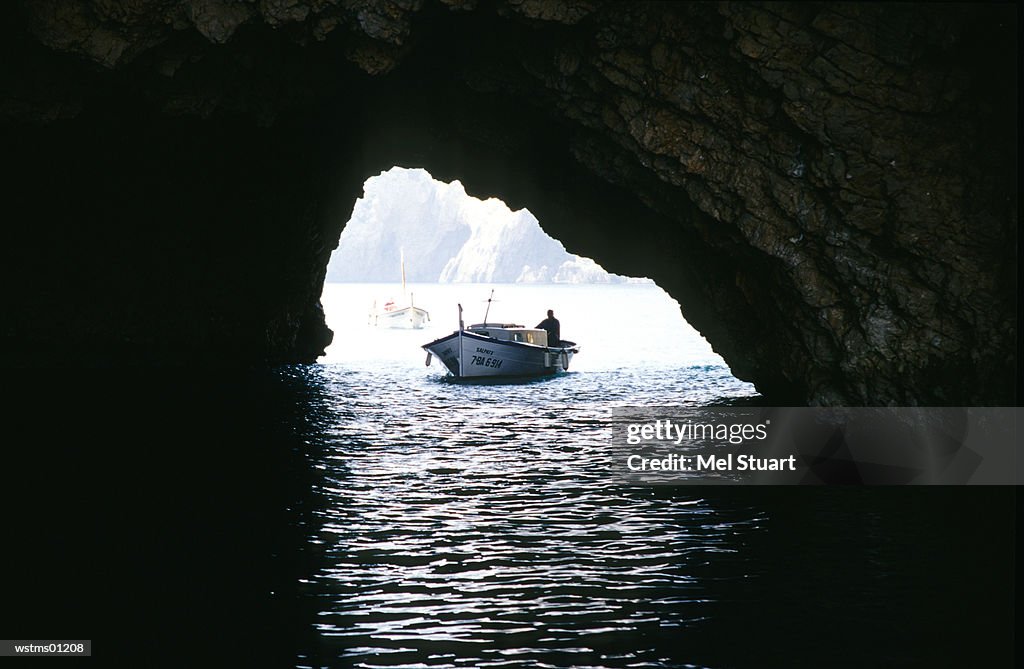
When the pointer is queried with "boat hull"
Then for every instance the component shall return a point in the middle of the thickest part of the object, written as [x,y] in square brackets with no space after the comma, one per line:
[469,355]
[408,317]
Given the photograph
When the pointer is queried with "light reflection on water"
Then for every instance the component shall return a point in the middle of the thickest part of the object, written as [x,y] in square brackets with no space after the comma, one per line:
[466,525]
[442,525]
[336,516]
[475,525]
[472,524]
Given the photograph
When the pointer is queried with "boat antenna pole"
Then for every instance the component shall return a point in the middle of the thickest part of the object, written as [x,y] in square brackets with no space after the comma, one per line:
[488,306]
[401,254]
[461,326]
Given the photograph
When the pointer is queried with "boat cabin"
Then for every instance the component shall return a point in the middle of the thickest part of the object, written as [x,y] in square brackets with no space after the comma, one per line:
[510,332]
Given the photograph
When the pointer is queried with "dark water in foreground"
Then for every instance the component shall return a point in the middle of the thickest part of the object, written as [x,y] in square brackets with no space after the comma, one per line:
[323,516]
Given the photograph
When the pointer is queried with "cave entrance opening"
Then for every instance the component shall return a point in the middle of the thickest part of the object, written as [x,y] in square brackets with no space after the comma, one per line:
[414,240]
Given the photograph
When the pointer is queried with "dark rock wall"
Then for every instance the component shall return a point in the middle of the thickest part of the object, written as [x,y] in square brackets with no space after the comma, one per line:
[829,190]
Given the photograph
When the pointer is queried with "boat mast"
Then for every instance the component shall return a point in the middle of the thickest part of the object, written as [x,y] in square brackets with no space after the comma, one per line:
[488,306]
[401,255]
[461,327]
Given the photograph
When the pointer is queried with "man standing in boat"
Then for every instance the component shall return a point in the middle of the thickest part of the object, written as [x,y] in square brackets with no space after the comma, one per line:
[553,327]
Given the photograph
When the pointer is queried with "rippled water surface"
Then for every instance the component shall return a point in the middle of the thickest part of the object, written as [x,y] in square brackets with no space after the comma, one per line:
[366,512]
[472,525]
[465,525]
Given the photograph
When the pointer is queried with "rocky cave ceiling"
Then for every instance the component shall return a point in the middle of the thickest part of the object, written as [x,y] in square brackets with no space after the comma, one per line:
[829,190]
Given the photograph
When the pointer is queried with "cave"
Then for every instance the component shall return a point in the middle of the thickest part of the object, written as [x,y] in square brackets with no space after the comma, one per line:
[829,191]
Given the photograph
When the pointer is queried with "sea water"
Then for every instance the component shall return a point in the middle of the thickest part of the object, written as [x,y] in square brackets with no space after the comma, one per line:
[459,525]
[365,511]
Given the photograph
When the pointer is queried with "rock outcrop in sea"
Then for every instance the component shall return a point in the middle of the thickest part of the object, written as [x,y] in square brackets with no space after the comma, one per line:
[445,236]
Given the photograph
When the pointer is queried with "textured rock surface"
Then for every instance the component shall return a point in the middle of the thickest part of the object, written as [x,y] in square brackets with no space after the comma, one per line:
[829,190]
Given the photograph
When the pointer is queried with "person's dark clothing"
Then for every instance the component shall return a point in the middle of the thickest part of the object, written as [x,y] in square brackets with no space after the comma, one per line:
[553,327]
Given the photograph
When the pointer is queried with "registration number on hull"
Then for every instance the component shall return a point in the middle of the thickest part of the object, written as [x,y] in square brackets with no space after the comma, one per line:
[481,361]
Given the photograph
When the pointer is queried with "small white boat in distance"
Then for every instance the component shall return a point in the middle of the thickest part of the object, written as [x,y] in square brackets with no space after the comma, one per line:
[500,349]
[391,315]
[395,315]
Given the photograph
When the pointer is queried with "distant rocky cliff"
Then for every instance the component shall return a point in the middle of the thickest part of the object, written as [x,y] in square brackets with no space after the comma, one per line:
[829,190]
[446,236]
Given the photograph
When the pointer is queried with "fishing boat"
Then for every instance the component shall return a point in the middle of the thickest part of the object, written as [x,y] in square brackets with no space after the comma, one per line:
[500,349]
[393,314]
